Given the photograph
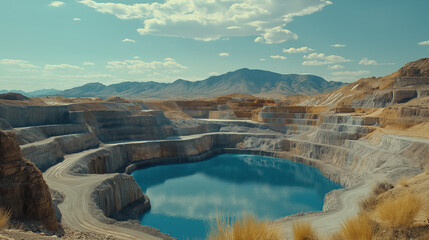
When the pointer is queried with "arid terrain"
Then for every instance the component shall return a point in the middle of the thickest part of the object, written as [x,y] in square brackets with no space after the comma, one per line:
[370,132]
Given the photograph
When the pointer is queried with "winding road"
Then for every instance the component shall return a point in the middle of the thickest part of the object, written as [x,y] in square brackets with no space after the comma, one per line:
[77,190]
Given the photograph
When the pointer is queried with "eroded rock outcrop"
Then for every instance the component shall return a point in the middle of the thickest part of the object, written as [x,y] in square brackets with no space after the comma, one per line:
[118,192]
[22,188]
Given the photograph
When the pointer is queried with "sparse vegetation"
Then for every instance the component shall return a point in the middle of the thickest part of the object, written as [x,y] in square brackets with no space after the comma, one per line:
[303,231]
[382,187]
[403,181]
[247,228]
[4,218]
[399,212]
[368,204]
[357,228]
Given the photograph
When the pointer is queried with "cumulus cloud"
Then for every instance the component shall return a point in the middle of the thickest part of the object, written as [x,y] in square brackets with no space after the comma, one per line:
[56,3]
[338,45]
[278,57]
[76,19]
[262,59]
[276,35]
[224,54]
[215,19]
[298,50]
[424,43]
[62,67]
[128,40]
[317,59]
[336,67]
[366,61]
[88,63]
[17,63]
[139,66]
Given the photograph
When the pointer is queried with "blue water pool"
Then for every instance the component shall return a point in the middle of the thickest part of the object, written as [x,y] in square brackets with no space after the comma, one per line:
[186,197]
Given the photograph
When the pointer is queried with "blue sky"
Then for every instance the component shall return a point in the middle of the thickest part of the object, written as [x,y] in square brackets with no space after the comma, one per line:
[62,44]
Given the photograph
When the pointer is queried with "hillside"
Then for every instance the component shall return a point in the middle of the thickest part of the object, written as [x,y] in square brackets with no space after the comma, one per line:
[245,81]
[409,82]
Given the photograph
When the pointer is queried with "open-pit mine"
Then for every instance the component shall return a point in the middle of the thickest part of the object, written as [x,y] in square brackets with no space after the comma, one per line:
[65,163]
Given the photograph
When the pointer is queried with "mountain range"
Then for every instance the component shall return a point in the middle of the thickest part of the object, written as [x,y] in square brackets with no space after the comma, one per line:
[245,81]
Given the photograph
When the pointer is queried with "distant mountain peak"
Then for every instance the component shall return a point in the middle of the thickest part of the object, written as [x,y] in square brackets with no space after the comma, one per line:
[244,81]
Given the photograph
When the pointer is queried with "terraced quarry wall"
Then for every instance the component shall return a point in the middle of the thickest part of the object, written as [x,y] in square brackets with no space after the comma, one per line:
[96,143]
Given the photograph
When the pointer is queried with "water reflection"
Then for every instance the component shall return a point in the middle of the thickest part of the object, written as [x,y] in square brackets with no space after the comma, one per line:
[185,197]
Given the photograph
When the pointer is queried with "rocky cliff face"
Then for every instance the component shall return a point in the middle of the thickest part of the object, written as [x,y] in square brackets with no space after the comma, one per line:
[118,192]
[22,188]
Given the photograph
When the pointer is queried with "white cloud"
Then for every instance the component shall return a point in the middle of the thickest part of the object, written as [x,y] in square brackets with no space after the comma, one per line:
[128,40]
[338,45]
[276,35]
[136,57]
[366,61]
[262,59]
[337,66]
[62,67]
[215,19]
[76,19]
[424,43]
[17,63]
[298,50]
[278,57]
[349,76]
[213,74]
[317,59]
[139,66]
[224,54]
[88,63]
[56,3]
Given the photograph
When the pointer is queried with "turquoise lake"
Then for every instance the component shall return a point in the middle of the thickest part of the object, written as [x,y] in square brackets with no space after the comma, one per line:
[185,198]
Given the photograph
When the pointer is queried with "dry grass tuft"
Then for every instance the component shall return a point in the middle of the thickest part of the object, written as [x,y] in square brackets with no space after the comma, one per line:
[357,228]
[247,228]
[303,231]
[382,187]
[400,211]
[4,218]
[368,204]
[403,181]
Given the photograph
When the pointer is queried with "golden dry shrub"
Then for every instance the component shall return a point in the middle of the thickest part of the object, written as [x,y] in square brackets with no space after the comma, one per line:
[303,231]
[357,228]
[246,228]
[399,211]
[4,218]
[403,181]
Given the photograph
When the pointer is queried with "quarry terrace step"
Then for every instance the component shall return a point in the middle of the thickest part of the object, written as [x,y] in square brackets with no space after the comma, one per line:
[32,134]
[50,151]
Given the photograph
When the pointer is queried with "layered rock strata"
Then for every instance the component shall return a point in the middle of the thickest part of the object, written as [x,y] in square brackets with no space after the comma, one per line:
[22,188]
[116,193]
